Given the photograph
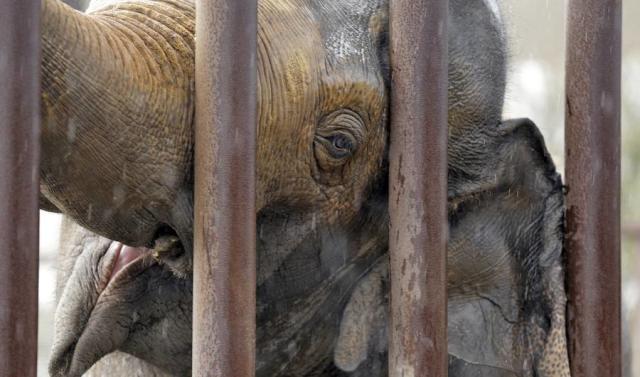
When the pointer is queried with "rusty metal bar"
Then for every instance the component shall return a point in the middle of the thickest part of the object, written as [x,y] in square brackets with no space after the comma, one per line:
[593,186]
[19,187]
[418,188]
[225,223]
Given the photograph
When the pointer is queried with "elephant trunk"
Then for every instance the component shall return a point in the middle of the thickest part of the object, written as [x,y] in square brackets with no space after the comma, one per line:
[117,108]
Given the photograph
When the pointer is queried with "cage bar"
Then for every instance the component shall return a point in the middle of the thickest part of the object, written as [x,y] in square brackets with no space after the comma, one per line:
[418,188]
[19,187]
[225,223]
[593,186]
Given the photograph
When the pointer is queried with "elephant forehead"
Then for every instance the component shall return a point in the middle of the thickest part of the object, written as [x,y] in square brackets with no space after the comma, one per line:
[346,43]
[288,56]
[313,59]
[297,76]
[346,33]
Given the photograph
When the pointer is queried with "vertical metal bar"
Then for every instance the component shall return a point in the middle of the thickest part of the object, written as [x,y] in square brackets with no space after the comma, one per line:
[225,222]
[593,186]
[19,187]
[418,188]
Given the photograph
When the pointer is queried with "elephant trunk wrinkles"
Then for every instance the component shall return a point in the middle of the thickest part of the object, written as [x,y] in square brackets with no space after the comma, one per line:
[117,89]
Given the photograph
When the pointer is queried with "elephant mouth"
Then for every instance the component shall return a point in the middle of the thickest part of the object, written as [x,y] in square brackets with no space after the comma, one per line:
[124,257]
[98,318]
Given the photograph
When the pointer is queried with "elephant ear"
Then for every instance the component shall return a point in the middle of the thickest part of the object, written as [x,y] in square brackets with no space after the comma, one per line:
[506,279]
[553,360]
[548,336]
[505,275]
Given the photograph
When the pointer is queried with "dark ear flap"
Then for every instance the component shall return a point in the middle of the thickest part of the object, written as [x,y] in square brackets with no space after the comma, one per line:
[523,158]
[511,155]
[548,321]
[523,132]
[507,301]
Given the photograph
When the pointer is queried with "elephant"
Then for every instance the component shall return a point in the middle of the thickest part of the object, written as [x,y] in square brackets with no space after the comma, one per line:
[117,141]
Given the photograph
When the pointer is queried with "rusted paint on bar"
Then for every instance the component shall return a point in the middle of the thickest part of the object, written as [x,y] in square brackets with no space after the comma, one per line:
[418,188]
[19,172]
[593,186]
[224,253]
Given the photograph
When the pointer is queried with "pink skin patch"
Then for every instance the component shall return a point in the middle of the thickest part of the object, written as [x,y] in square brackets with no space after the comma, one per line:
[124,256]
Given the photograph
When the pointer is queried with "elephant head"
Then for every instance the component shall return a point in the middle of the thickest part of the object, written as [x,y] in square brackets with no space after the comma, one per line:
[117,145]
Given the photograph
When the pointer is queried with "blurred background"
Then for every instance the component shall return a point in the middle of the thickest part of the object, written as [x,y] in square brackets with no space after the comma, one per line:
[536,90]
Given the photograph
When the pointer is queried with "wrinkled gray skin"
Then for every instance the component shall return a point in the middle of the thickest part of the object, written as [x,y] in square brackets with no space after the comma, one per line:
[323,284]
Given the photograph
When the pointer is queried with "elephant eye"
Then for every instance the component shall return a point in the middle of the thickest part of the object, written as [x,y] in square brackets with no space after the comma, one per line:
[337,139]
[341,145]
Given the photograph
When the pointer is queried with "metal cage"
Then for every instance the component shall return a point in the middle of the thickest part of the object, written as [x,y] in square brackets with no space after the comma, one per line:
[224,323]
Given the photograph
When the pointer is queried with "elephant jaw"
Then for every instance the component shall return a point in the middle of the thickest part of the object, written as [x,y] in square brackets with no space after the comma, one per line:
[96,319]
